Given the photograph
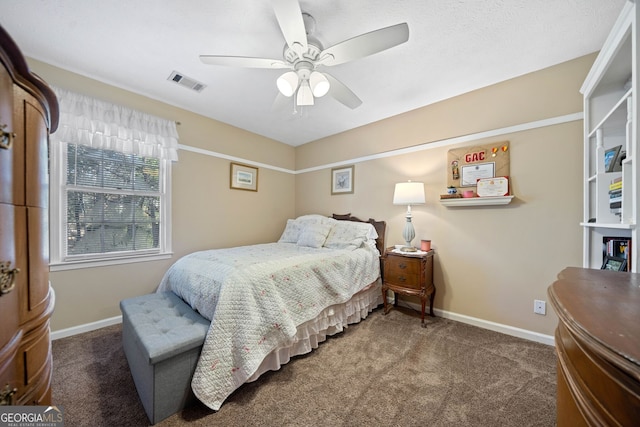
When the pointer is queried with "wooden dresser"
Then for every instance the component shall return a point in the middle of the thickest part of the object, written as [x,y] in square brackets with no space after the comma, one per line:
[598,347]
[28,110]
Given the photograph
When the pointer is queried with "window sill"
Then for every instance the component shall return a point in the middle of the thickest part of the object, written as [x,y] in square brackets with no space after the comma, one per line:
[90,263]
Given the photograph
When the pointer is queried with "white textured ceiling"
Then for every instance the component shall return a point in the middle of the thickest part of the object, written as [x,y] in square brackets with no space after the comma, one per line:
[454,46]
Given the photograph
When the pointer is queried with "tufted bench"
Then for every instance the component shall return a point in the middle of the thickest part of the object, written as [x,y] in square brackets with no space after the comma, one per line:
[162,338]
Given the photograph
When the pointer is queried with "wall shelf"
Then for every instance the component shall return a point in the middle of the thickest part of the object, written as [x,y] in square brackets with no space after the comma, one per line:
[477,201]
[619,226]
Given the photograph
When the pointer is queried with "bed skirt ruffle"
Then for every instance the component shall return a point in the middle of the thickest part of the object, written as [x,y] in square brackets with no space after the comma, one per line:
[330,321]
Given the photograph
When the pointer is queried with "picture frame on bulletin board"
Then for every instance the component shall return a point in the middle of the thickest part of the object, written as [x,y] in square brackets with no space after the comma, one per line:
[614,263]
[472,173]
[244,177]
[342,180]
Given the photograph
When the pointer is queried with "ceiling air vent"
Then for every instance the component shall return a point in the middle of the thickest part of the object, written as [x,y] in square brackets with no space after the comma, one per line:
[187,82]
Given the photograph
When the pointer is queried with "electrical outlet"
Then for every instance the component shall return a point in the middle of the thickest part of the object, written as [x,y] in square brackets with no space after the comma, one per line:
[539,307]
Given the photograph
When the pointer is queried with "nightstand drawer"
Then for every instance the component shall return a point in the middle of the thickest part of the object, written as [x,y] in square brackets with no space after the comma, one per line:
[403,271]
[403,266]
[404,279]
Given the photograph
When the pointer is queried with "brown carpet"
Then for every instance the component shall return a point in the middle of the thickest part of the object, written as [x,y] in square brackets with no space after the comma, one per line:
[385,371]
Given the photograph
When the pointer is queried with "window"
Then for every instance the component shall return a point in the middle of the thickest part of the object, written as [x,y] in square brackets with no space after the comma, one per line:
[113,202]
[107,205]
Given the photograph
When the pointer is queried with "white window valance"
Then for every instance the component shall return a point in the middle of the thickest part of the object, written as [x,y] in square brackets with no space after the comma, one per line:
[99,124]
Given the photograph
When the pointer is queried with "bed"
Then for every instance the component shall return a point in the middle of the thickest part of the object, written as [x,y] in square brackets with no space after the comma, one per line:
[270,302]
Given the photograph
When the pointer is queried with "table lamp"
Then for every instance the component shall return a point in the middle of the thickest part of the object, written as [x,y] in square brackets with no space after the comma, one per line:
[409,193]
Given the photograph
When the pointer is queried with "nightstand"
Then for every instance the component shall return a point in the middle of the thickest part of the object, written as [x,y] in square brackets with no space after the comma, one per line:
[408,274]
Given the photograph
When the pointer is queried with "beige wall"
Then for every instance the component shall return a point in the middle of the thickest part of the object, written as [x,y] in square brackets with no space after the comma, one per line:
[206,212]
[491,262]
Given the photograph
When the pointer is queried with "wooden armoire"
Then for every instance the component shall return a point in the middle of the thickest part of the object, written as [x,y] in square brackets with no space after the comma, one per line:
[28,112]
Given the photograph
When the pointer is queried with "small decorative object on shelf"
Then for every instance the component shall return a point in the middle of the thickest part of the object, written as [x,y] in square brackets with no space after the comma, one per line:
[452,193]
[614,263]
[611,160]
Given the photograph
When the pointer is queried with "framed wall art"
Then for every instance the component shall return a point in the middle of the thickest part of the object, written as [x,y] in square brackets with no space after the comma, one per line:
[342,180]
[244,177]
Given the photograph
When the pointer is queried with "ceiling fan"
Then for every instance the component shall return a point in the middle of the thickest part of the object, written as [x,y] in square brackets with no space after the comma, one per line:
[303,54]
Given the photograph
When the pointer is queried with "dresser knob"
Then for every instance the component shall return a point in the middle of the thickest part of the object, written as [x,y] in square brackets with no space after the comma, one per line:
[402,265]
[6,395]
[7,278]
[6,138]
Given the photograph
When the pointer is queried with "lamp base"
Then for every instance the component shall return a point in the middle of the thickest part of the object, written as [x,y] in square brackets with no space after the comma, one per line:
[408,249]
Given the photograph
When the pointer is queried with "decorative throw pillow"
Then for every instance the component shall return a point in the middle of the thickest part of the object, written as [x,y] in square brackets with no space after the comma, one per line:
[291,232]
[350,235]
[314,235]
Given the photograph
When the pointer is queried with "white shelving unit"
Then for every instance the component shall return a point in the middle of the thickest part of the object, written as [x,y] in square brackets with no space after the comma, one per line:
[610,119]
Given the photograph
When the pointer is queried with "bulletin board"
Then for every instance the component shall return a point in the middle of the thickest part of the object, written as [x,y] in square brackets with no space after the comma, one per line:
[468,164]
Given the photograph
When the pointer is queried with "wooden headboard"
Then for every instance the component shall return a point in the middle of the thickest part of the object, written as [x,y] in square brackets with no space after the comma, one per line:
[380,227]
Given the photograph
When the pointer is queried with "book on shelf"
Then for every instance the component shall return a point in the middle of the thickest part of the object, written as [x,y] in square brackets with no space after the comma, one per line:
[619,247]
[616,184]
[615,196]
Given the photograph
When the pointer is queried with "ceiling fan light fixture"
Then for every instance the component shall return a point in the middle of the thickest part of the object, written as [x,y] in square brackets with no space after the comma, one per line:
[305,96]
[319,84]
[287,83]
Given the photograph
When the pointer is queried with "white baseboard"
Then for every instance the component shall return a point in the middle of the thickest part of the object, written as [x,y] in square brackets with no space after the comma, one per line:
[485,324]
[492,326]
[87,327]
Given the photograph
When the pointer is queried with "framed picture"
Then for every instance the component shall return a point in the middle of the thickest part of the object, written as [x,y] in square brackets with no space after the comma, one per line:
[472,173]
[611,159]
[614,263]
[342,180]
[244,177]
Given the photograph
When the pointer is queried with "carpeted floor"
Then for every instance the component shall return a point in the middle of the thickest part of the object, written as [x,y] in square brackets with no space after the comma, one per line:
[385,371]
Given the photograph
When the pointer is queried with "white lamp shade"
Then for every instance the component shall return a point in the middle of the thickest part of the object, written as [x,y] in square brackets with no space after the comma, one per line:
[319,84]
[409,193]
[287,83]
[305,97]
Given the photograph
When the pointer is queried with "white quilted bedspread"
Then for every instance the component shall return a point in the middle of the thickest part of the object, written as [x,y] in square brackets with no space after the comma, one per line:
[255,297]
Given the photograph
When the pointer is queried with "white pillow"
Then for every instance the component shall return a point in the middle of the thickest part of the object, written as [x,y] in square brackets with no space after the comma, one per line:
[291,232]
[314,235]
[350,235]
[294,227]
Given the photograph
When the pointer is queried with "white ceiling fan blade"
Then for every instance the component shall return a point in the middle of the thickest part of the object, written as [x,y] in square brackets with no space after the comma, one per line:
[342,93]
[243,61]
[289,18]
[365,44]
[281,102]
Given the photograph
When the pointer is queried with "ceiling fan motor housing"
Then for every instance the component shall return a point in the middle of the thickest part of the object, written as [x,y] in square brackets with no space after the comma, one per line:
[314,47]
